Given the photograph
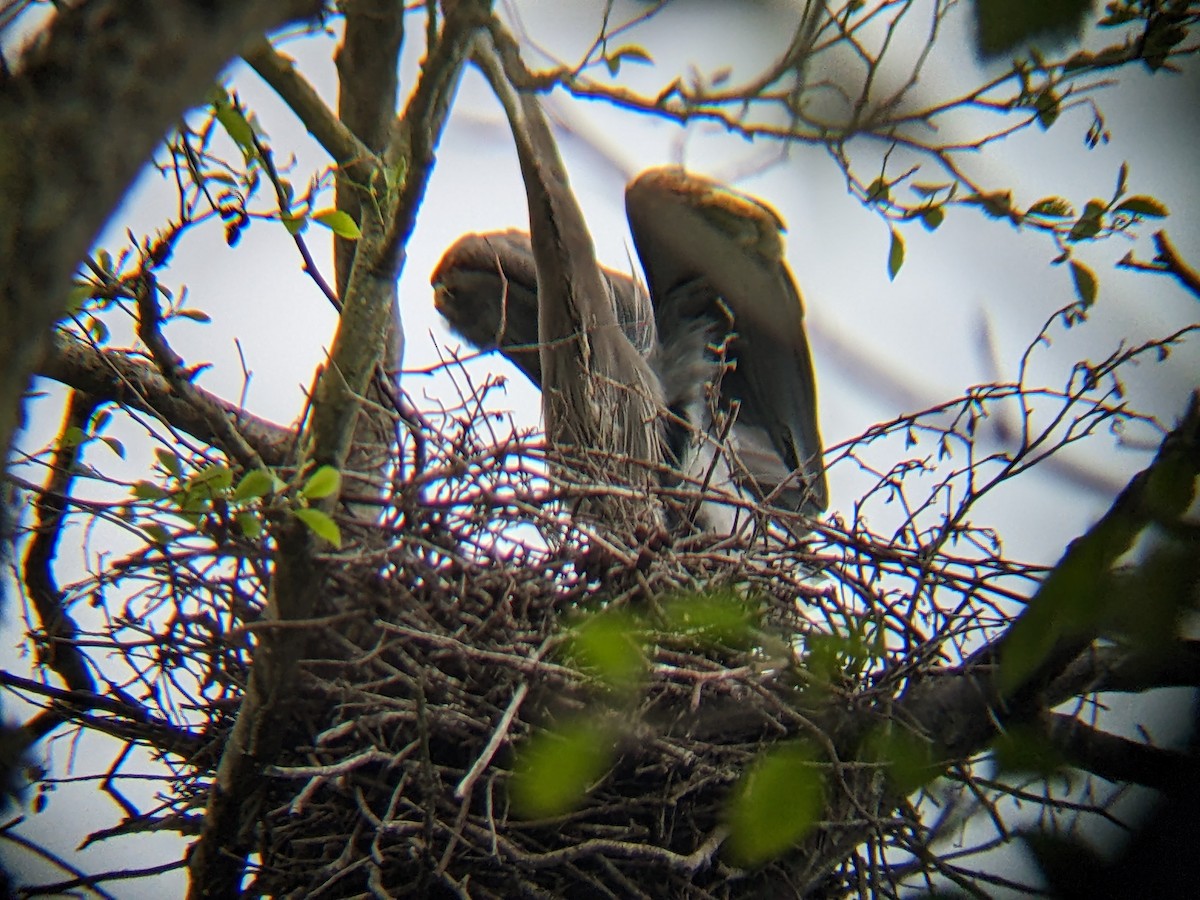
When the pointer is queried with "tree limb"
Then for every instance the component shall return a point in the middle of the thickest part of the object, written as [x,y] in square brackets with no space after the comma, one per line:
[352,156]
[1115,758]
[412,144]
[1010,679]
[1127,670]
[130,68]
[60,651]
[1167,261]
[368,89]
[115,377]
[264,718]
[1174,264]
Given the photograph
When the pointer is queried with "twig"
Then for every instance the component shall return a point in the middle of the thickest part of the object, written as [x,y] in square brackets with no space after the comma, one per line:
[499,733]
[169,363]
[1167,262]
[279,71]
[116,377]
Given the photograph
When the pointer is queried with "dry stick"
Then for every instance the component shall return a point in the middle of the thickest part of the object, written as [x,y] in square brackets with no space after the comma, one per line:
[169,363]
[499,733]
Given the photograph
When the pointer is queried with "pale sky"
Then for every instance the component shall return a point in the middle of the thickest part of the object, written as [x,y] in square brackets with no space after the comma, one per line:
[881,347]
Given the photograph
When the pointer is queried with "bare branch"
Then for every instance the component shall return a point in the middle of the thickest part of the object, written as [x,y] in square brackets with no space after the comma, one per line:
[412,145]
[1115,758]
[1166,262]
[368,85]
[62,653]
[115,377]
[1008,679]
[353,157]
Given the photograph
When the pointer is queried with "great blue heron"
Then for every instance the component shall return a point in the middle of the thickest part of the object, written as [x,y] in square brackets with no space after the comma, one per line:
[722,328]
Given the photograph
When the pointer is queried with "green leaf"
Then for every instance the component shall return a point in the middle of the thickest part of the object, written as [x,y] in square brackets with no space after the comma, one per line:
[928,190]
[193,502]
[632,53]
[609,645]
[256,483]
[294,224]
[715,619]
[775,804]
[214,479]
[1082,593]
[1089,224]
[157,533]
[98,330]
[932,217]
[1122,180]
[249,524]
[879,191]
[322,483]
[1146,207]
[1162,34]
[905,755]
[146,490]
[997,205]
[169,461]
[895,254]
[554,769]
[1085,282]
[320,524]
[80,293]
[1047,106]
[114,445]
[233,120]
[339,222]
[72,437]
[1117,14]
[1051,208]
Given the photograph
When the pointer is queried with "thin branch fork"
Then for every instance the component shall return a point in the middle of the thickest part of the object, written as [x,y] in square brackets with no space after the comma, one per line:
[1167,261]
[1009,679]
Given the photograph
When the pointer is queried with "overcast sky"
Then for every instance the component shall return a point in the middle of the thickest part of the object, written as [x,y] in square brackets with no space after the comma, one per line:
[881,347]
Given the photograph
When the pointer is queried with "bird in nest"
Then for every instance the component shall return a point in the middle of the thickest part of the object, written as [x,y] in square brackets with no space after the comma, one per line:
[721,326]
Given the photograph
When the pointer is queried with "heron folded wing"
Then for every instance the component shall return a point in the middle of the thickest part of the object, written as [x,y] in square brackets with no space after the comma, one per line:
[713,254]
[485,287]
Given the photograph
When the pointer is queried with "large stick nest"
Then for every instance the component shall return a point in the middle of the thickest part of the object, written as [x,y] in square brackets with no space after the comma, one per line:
[442,648]
[411,712]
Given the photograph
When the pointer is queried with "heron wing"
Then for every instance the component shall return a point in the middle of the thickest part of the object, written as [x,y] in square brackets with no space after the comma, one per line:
[711,253]
[486,289]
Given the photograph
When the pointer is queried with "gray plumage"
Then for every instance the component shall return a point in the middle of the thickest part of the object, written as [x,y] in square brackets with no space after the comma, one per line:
[721,328]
